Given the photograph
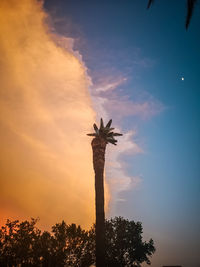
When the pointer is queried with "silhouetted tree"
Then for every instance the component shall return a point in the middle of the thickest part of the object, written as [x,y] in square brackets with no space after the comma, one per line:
[23,244]
[18,243]
[102,137]
[72,245]
[124,245]
[190,9]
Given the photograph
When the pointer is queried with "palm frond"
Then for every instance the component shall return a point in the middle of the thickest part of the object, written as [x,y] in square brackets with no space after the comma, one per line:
[105,132]
[96,128]
[108,124]
[150,3]
[117,134]
[190,9]
[101,124]
[92,134]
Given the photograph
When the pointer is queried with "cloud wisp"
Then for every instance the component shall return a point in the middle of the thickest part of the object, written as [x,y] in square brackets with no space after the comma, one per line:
[109,103]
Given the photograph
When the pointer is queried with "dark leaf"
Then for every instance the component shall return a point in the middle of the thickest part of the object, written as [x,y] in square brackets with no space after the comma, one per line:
[190,9]
[92,134]
[109,124]
[107,129]
[110,134]
[149,3]
[117,134]
[110,138]
[112,142]
[96,128]
[101,124]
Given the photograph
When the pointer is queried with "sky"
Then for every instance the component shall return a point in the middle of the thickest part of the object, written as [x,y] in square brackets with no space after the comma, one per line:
[66,64]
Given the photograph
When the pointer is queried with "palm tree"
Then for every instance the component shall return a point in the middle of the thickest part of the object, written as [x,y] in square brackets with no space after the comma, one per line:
[102,137]
[190,9]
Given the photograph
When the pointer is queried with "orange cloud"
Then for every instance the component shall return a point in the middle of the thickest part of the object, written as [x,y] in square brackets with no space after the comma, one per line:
[45,113]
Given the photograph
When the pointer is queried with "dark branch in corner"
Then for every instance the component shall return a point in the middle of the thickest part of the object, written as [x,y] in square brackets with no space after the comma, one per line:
[190,9]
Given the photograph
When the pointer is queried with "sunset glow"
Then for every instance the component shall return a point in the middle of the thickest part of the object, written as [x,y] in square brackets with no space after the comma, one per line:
[64,65]
[45,113]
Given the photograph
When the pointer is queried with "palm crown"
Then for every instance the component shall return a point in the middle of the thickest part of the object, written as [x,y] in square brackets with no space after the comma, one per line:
[105,132]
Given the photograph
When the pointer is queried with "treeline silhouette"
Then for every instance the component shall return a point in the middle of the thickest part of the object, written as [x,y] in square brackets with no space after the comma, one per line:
[24,244]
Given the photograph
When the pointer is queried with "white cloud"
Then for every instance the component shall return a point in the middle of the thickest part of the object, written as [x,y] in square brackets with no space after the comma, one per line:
[107,86]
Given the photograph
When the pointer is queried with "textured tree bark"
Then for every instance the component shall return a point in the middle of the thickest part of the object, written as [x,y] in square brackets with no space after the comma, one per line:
[99,147]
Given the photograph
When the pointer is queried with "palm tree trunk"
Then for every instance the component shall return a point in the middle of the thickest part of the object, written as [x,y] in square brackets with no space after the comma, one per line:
[99,147]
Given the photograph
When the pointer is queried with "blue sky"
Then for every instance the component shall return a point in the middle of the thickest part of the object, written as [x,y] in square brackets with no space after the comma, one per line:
[152,50]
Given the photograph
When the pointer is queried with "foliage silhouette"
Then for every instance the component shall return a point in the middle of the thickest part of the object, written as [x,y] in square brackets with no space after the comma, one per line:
[23,244]
[124,245]
[190,8]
